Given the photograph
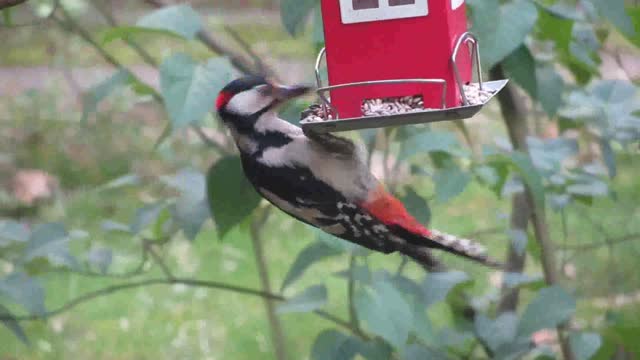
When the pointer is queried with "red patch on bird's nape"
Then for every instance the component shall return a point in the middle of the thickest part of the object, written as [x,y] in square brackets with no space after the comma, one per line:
[391,211]
[223,99]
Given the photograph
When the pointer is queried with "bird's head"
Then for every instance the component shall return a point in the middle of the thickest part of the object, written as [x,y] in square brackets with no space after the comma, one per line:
[243,101]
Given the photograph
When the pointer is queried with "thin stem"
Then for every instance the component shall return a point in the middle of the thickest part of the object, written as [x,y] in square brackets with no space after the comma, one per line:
[159,260]
[277,334]
[403,265]
[351,285]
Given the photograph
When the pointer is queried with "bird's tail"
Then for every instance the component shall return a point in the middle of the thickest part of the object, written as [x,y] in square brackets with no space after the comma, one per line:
[461,246]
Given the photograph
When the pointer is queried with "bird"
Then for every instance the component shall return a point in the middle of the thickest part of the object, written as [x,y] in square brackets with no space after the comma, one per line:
[324,180]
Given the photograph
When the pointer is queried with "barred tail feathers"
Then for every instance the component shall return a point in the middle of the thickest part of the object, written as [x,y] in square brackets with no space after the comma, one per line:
[461,246]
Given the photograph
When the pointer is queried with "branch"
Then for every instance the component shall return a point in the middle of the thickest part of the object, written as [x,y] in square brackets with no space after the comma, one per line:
[608,242]
[110,290]
[5,4]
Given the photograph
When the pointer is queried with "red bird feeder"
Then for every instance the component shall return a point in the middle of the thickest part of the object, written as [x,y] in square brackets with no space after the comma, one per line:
[381,50]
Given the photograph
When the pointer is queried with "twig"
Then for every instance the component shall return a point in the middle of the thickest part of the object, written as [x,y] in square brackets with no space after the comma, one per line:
[277,335]
[597,245]
[159,260]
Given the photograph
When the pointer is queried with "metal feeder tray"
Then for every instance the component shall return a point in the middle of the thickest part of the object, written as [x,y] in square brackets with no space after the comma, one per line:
[465,111]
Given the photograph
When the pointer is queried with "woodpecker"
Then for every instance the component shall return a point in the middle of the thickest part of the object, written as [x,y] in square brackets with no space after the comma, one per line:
[324,180]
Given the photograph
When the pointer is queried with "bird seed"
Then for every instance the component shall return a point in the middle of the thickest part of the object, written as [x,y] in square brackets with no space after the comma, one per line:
[398,105]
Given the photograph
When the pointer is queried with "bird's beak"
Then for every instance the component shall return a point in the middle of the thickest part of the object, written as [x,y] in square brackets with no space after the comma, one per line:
[284,93]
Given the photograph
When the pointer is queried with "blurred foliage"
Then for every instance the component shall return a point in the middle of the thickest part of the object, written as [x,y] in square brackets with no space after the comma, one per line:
[550,49]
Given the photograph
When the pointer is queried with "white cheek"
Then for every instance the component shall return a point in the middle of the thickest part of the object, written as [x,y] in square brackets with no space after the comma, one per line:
[248,102]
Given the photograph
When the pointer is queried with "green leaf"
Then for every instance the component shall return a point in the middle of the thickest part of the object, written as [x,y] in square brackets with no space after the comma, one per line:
[51,242]
[585,345]
[519,66]
[514,22]
[483,18]
[189,89]
[385,312]
[614,11]
[24,290]
[122,181]
[609,157]
[340,244]
[191,209]
[144,217]
[13,231]
[6,17]
[100,258]
[310,299]
[437,286]
[634,12]
[550,88]
[334,345]
[556,24]
[307,257]
[552,306]
[595,188]
[431,141]
[110,225]
[294,13]
[583,49]
[178,20]
[529,174]
[519,240]
[513,280]
[13,325]
[375,350]
[417,206]
[127,31]
[497,332]
[92,98]
[231,197]
[191,216]
[417,352]
[450,182]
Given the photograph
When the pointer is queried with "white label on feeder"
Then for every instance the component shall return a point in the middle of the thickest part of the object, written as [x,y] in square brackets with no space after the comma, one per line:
[357,11]
[456,4]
